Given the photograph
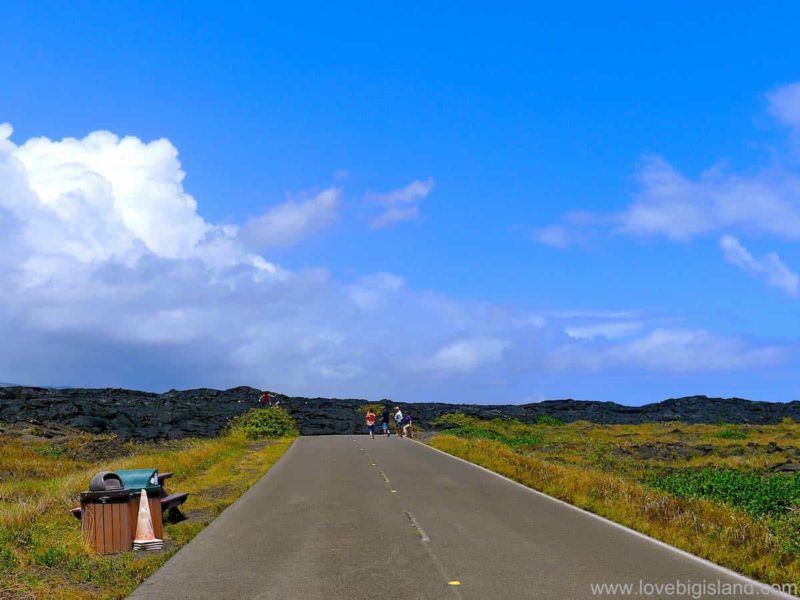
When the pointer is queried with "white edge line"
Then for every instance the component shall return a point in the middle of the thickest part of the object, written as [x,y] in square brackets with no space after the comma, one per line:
[639,534]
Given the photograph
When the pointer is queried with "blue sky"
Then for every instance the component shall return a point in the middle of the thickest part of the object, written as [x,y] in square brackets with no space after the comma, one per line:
[483,203]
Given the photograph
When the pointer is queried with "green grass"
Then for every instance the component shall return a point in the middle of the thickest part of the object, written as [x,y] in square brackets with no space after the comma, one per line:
[42,555]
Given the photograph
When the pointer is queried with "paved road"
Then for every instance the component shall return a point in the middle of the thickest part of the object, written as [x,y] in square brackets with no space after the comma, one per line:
[343,517]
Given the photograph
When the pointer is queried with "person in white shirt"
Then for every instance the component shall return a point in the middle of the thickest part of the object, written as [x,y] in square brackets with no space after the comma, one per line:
[398,420]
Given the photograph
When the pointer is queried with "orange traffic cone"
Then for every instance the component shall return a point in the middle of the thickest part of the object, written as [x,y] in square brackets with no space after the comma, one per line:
[145,535]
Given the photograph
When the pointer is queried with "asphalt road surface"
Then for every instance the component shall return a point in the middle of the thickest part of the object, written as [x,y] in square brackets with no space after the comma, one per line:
[344,517]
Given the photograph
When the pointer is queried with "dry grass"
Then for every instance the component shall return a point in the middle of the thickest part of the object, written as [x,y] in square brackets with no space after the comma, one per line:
[41,551]
[600,468]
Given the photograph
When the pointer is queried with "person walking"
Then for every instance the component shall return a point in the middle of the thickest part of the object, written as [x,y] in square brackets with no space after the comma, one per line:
[385,421]
[398,419]
[407,426]
[371,423]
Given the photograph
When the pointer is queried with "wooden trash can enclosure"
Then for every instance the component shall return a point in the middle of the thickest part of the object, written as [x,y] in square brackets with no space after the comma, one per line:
[108,518]
[109,510]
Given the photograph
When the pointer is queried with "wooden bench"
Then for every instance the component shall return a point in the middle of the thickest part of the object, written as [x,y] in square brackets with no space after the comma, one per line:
[173,501]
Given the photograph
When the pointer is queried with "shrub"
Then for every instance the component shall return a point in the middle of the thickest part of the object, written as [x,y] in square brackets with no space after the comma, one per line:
[520,442]
[506,431]
[455,420]
[470,431]
[548,420]
[757,494]
[731,434]
[271,422]
[50,450]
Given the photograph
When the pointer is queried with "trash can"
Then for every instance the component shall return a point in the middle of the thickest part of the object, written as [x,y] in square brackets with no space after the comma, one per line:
[108,520]
[135,480]
[110,508]
[105,481]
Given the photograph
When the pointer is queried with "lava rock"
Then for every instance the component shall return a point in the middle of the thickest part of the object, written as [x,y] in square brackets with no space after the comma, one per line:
[204,412]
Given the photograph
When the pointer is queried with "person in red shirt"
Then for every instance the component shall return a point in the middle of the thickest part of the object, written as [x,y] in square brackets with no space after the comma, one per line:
[265,398]
[371,423]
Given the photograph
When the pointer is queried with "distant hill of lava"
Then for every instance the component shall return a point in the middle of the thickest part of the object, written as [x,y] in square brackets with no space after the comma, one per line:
[204,412]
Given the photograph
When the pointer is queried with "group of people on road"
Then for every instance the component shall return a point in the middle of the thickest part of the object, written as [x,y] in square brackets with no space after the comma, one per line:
[402,423]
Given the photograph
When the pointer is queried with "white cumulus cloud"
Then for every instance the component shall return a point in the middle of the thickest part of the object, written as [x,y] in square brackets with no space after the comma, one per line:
[110,276]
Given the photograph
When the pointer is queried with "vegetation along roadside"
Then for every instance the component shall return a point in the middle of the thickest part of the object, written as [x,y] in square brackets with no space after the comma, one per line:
[43,468]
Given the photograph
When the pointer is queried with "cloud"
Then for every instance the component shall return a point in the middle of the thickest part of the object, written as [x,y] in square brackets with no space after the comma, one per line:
[373,291]
[557,236]
[468,354]
[676,350]
[784,104]
[577,227]
[105,199]
[401,204]
[612,330]
[770,268]
[680,208]
[292,221]
[110,276]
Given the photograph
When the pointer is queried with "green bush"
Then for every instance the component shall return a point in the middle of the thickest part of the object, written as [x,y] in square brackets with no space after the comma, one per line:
[506,431]
[455,420]
[50,451]
[520,442]
[731,434]
[755,493]
[268,422]
[548,420]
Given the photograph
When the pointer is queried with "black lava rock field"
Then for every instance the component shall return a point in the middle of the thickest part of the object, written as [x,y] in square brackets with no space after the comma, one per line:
[204,412]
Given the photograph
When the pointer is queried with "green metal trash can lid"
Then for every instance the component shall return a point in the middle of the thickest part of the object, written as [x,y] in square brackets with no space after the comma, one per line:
[137,479]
